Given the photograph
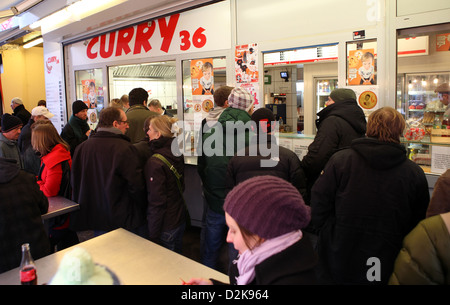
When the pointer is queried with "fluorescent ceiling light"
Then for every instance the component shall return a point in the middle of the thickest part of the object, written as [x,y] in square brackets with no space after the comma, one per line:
[72,13]
[33,43]
[24,5]
[6,13]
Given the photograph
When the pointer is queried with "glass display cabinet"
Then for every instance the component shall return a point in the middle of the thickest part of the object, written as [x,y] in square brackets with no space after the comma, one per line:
[424,137]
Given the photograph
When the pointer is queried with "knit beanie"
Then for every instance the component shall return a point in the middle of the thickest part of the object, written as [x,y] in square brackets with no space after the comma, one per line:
[340,95]
[267,206]
[263,115]
[10,122]
[78,105]
[240,99]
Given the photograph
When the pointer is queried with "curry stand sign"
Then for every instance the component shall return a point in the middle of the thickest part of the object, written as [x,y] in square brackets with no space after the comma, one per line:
[175,34]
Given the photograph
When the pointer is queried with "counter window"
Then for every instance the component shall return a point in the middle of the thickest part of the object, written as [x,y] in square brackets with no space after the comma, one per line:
[159,79]
[89,89]
[296,84]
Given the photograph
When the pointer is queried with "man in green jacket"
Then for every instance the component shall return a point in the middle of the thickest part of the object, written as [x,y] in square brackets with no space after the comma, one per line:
[219,144]
[137,114]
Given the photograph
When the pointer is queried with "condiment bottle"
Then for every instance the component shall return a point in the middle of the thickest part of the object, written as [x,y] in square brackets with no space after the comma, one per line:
[28,275]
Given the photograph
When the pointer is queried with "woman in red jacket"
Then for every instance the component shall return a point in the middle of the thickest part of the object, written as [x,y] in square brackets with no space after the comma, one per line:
[54,177]
[53,150]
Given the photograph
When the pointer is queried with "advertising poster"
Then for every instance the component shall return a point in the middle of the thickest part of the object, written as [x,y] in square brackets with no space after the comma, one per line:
[253,88]
[443,42]
[54,88]
[367,97]
[202,81]
[362,67]
[246,63]
[89,93]
[202,77]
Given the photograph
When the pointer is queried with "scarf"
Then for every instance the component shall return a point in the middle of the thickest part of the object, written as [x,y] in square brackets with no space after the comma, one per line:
[247,261]
[79,126]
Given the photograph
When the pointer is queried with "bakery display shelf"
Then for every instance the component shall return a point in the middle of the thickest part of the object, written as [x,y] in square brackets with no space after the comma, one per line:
[404,141]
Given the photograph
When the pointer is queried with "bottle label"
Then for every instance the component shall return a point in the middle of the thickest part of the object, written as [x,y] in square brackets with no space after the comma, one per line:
[27,275]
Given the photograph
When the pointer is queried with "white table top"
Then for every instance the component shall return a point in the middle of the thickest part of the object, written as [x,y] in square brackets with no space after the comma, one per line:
[135,261]
[59,205]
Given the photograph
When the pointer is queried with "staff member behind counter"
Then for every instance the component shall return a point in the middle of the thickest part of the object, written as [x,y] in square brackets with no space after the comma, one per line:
[443,92]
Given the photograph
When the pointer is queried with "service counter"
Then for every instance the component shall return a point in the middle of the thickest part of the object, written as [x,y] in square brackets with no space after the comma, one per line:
[298,143]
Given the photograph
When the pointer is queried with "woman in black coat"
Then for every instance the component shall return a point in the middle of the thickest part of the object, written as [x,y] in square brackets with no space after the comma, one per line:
[166,211]
[368,198]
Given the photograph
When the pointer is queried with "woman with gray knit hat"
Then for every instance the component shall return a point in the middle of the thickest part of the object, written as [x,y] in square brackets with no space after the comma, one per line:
[265,226]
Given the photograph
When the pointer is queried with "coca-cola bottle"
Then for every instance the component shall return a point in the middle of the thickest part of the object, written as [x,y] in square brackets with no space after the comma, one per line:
[28,275]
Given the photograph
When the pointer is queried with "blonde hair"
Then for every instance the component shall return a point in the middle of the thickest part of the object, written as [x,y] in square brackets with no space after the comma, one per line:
[44,137]
[386,124]
[163,124]
[115,102]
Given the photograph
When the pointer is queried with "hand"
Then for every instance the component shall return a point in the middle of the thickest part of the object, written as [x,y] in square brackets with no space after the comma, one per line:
[88,133]
[198,281]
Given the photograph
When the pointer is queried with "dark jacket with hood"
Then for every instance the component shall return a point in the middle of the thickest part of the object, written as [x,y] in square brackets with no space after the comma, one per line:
[21,207]
[338,124]
[367,200]
[277,161]
[107,183]
[166,209]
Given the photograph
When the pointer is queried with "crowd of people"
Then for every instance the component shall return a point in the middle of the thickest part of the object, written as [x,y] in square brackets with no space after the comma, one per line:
[354,210]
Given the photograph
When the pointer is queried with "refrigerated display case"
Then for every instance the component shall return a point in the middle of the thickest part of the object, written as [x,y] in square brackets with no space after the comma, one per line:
[423,112]
[323,87]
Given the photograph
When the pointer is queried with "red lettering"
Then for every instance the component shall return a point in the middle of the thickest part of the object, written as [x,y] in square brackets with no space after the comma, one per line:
[103,52]
[89,48]
[123,39]
[143,34]
[167,31]
[185,42]
[199,39]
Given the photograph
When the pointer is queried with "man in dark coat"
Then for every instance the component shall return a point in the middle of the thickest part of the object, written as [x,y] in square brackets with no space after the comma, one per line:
[106,179]
[20,111]
[21,206]
[264,157]
[341,121]
[369,197]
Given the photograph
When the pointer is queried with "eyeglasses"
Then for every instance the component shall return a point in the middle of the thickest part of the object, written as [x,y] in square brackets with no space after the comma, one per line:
[125,122]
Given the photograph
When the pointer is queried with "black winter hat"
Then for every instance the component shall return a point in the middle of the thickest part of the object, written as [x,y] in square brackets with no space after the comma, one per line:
[78,105]
[10,122]
[263,115]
